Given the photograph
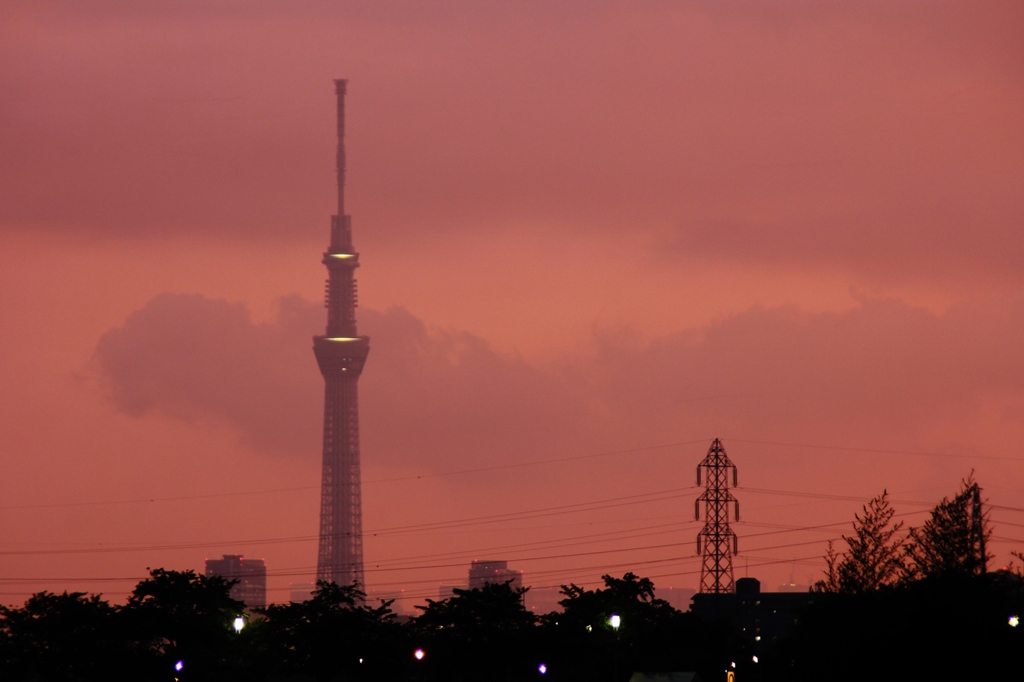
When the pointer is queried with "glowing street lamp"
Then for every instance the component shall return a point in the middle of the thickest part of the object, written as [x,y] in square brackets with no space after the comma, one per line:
[542,669]
[179,665]
[615,622]
[418,654]
[1014,621]
[238,624]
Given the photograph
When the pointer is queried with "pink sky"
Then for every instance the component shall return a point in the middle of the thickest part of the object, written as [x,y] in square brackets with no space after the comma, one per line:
[585,227]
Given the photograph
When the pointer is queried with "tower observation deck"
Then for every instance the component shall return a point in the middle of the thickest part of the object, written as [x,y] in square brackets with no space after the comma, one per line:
[341,353]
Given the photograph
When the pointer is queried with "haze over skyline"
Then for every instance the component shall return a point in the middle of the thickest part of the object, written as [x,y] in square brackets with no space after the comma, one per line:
[584,228]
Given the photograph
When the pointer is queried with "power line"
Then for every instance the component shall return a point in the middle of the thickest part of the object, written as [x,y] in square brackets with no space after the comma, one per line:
[875,451]
[593,505]
[304,571]
[413,477]
[655,496]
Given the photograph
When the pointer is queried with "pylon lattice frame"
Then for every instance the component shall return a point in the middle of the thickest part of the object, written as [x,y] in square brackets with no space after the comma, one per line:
[716,543]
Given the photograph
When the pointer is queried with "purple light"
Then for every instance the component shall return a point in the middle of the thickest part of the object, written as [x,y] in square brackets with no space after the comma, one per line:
[418,654]
[179,665]
[542,668]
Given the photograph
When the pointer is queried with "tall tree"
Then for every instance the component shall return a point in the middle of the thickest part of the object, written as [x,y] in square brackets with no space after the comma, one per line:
[581,643]
[332,635]
[952,541]
[69,636]
[874,556]
[180,616]
[480,634]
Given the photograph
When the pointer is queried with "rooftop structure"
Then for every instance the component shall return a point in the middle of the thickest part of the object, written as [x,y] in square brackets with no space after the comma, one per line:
[492,572]
[250,574]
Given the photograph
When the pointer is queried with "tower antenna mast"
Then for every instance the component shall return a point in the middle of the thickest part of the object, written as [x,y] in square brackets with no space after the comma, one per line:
[341,354]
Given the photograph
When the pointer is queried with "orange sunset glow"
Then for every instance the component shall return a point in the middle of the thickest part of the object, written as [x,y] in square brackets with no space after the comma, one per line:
[593,237]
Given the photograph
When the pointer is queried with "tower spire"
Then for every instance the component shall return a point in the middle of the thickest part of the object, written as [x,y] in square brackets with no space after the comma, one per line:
[340,89]
[341,354]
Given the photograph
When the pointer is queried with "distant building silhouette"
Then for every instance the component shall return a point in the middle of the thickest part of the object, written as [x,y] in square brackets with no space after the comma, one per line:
[793,587]
[678,597]
[251,575]
[541,600]
[490,572]
[300,592]
[762,617]
[448,591]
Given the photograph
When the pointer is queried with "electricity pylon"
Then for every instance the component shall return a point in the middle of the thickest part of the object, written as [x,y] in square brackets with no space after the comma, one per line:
[716,543]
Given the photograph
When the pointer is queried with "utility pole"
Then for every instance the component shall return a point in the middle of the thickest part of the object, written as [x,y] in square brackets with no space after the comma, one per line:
[716,543]
[978,529]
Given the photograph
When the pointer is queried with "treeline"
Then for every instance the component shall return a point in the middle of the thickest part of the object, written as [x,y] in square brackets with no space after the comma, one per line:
[904,603]
[896,603]
[179,625]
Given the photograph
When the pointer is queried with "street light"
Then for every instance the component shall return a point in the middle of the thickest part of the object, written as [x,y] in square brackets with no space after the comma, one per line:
[238,624]
[615,622]
[419,654]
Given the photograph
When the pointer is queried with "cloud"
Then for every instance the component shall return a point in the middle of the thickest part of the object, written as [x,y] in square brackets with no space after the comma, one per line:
[427,397]
[198,359]
[434,399]
[788,134]
[883,367]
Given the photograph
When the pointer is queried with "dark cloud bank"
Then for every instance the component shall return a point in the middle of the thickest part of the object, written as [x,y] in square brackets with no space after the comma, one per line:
[435,399]
[884,139]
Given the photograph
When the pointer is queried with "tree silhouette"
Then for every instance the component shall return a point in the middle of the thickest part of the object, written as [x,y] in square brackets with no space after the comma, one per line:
[69,636]
[333,635]
[952,541]
[180,616]
[480,613]
[581,644]
[943,616]
[480,634]
[875,552]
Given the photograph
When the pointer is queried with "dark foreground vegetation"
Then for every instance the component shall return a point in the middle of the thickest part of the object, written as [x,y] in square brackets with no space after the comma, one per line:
[895,604]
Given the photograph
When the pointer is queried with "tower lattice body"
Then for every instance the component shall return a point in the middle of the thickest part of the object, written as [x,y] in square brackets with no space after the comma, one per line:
[341,353]
[716,543]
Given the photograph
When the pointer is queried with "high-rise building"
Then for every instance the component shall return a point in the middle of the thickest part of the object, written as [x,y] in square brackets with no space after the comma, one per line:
[490,572]
[759,617]
[447,591]
[341,353]
[250,574]
[678,597]
[300,592]
[541,600]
